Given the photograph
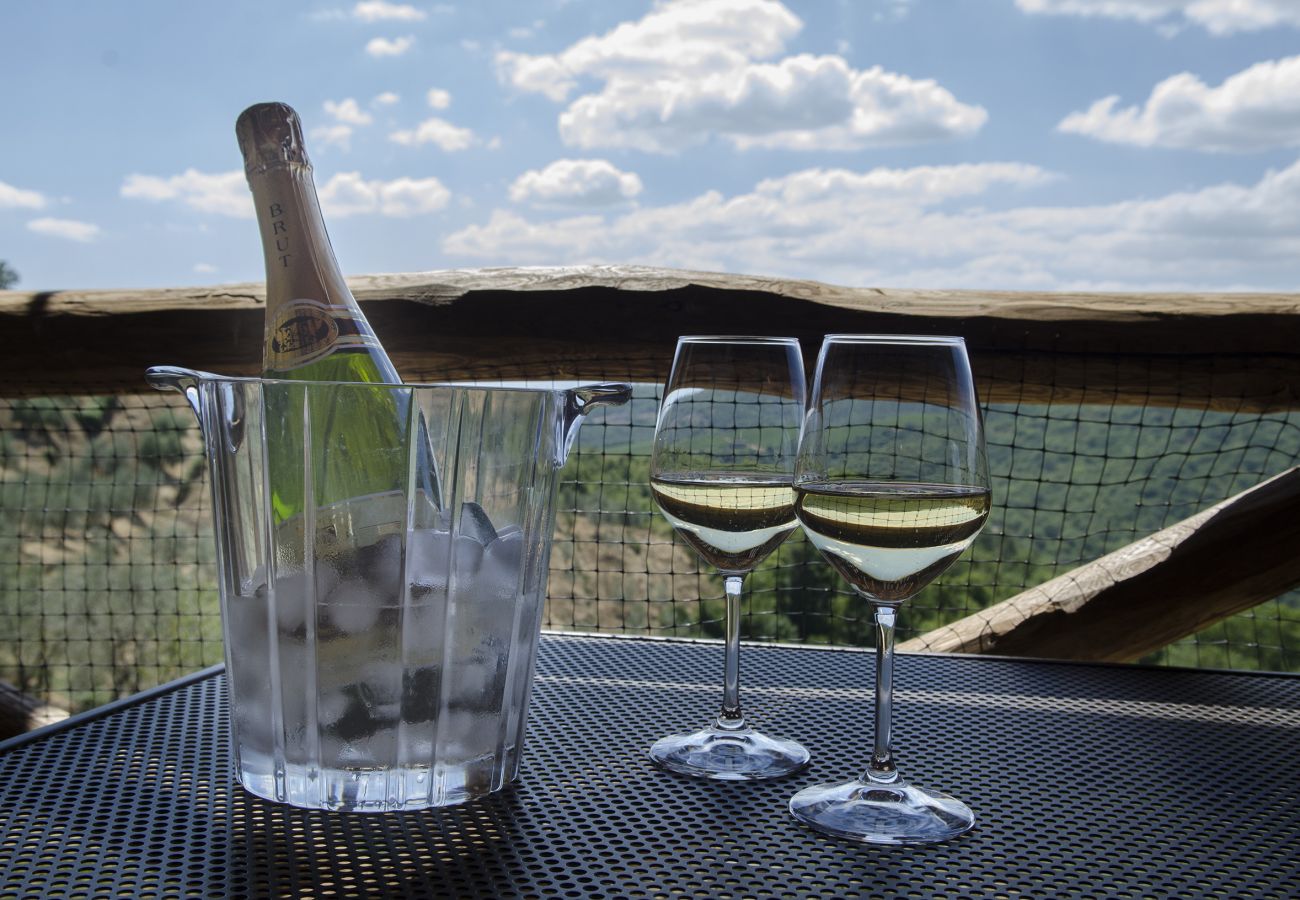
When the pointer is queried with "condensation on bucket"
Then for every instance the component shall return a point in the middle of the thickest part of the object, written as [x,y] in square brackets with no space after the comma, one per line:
[380,648]
[385,702]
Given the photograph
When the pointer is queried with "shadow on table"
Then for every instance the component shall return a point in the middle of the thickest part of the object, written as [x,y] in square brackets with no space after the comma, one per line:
[461,851]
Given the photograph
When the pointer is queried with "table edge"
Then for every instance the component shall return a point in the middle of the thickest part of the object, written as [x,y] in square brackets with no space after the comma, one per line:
[108,709]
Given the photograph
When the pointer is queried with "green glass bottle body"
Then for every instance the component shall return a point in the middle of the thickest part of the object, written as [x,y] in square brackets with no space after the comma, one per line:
[339,444]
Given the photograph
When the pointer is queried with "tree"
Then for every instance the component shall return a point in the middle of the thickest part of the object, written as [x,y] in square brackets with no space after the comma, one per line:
[8,277]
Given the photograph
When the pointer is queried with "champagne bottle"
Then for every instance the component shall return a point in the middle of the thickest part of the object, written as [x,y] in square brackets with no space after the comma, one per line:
[315,331]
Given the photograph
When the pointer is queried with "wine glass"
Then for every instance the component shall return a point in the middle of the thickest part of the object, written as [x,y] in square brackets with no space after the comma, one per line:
[891,486]
[721,472]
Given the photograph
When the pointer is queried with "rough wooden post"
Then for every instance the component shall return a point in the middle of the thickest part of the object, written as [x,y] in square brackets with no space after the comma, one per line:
[1152,592]
[20,713]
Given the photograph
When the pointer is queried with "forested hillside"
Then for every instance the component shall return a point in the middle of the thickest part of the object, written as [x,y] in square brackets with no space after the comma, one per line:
[107,582]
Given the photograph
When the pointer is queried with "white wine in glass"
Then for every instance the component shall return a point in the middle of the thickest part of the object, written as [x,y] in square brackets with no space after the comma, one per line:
[721,472]
[732,521]
[891,486]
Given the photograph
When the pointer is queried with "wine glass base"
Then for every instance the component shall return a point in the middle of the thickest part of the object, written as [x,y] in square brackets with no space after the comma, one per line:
[882,812]
[730,755]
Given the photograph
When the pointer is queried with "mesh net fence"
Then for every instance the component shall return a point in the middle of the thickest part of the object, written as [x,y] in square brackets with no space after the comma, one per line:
[107,570]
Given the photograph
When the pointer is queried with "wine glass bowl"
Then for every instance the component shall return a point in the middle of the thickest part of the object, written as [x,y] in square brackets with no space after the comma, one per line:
[721,472]
[891,487]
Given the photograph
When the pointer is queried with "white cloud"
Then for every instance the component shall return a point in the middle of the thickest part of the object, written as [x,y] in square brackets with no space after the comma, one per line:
[576,182]
[535,74]
[435,131]
[773,221]
[205,268]
[940,226]
[380,47]
[336,135]
[19,198]
[1219,17]
[691,69]
[387,98]
[1256,109]
[224,193]
[921,185]
[683,36]
[345,194]
[380,11]
[348,112]
[802,102]
[68,229]
[438,98]
[348,194]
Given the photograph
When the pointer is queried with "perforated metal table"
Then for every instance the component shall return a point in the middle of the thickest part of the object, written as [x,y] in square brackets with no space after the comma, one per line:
[1088,781]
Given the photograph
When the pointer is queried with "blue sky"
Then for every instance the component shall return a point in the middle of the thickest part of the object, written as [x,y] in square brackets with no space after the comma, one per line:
[1001,144]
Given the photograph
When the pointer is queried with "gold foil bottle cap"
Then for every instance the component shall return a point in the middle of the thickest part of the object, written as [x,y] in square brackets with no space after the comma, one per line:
[270,137]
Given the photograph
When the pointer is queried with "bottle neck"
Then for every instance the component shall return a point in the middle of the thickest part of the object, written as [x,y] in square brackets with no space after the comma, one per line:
[300,262]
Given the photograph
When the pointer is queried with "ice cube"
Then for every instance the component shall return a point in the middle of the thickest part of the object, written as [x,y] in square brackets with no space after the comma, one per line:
[466,555]
[246,622]
[467,735]
[331,706]
[380,564]
[291,604]
[463,561]
[420,688]
[430,554]
[295,663]
[429,557]
[384,680]
[478,681]
[489,601]
[291,601]
[500,573]
[354,606]
[427,554]
[350,713]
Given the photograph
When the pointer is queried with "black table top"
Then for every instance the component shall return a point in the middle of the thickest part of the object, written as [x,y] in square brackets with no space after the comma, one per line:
[1102,781]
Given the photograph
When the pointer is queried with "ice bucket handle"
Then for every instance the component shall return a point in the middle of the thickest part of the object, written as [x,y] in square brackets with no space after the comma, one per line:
[580,401]
[175,378]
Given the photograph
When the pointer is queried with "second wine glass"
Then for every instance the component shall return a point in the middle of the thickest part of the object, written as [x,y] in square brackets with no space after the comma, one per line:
[721,472]
[892,486]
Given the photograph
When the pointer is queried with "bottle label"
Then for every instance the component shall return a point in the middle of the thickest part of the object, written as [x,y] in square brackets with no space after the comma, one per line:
[307,330]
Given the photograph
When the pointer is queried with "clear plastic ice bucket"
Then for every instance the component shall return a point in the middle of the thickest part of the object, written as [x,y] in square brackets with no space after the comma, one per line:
[382,555]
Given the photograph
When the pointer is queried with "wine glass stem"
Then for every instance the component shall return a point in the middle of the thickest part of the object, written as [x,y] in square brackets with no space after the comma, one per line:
[882,761]
[731,718]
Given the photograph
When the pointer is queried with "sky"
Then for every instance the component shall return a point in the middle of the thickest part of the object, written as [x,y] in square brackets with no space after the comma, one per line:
[1042,145]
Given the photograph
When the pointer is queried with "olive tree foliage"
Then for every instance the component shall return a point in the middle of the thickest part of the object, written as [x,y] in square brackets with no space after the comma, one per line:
[8,277]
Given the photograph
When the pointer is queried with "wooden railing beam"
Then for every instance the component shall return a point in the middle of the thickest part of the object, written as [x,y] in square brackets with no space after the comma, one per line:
[1234,351]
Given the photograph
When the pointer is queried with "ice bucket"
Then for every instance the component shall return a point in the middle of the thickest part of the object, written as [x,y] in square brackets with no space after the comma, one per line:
[382,556]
